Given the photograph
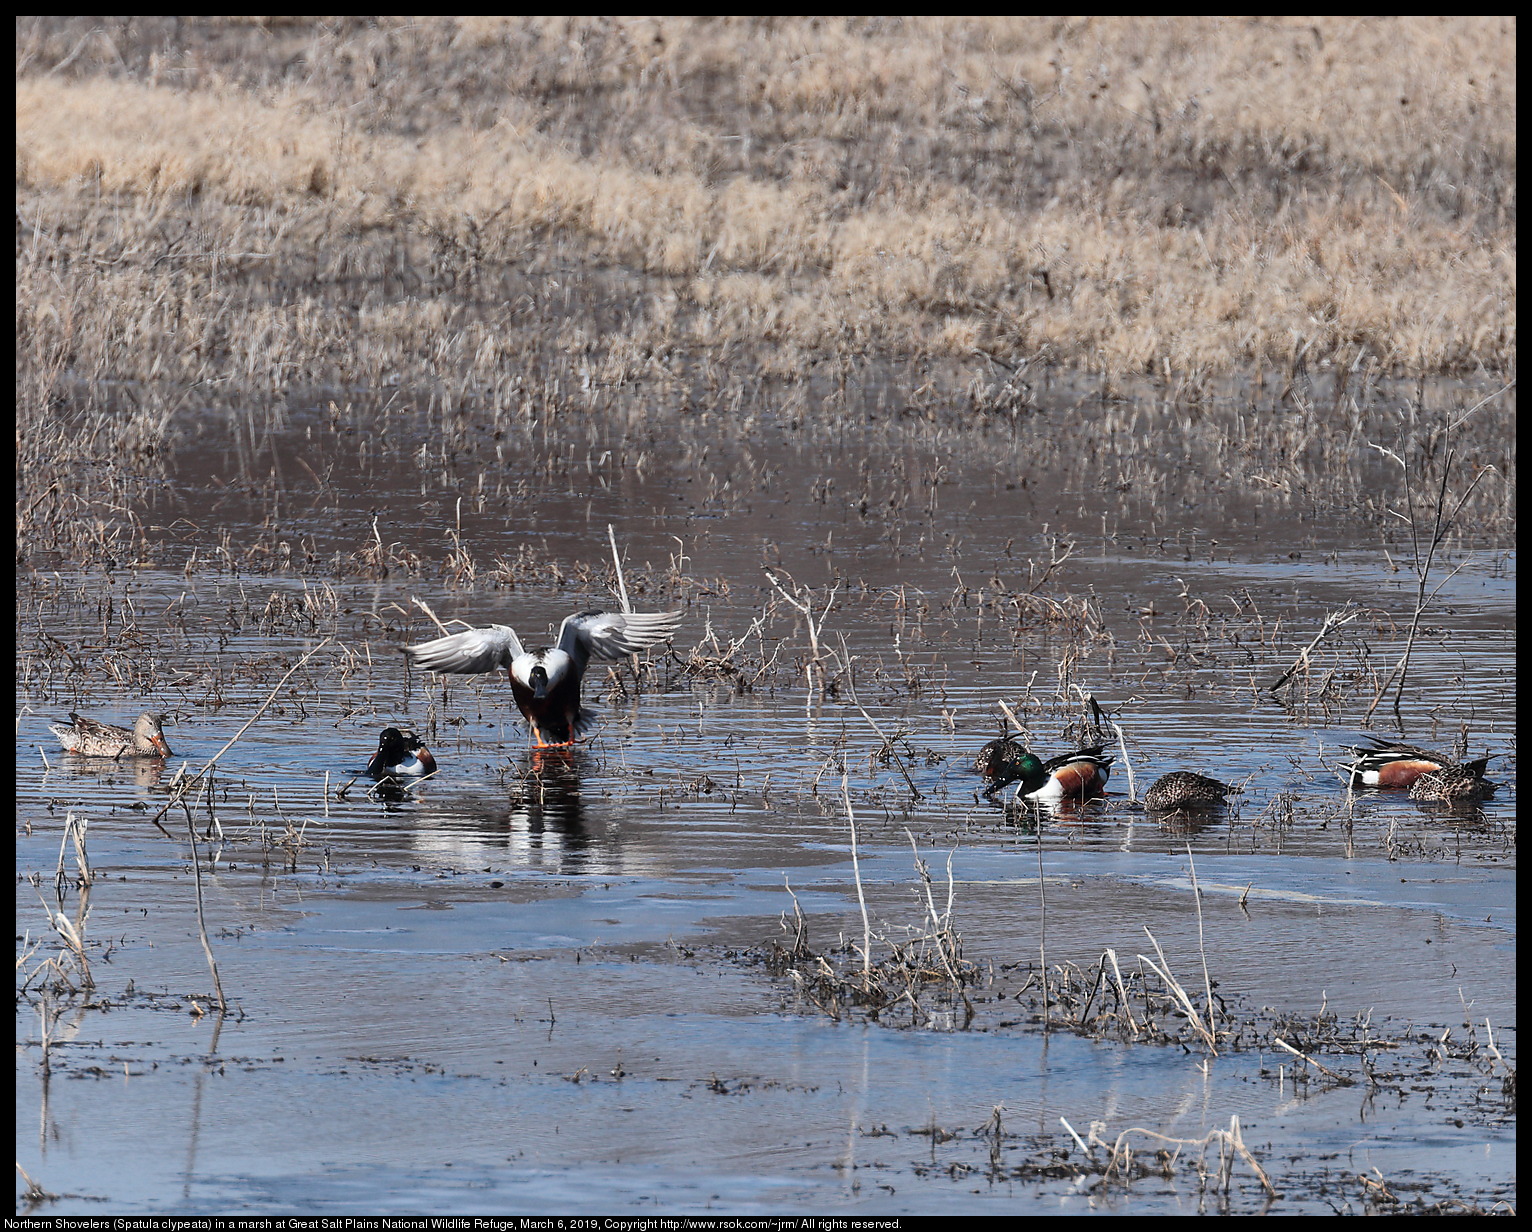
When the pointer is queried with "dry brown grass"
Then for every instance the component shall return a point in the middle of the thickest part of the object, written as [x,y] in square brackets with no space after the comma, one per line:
[310,202]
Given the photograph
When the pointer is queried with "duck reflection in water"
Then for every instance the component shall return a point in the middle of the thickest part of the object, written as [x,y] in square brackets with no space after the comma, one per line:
[546,804]
[535,820]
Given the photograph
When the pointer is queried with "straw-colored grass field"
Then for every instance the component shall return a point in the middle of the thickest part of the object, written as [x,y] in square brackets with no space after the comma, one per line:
[314,202]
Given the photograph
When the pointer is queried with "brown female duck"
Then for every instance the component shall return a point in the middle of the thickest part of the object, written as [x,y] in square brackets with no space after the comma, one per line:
[91,738]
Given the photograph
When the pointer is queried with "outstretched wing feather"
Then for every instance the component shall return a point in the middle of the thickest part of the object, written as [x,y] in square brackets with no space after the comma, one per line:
[476,650]
[610,635]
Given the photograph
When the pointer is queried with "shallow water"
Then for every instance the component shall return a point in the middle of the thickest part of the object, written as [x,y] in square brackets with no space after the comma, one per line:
[535,983]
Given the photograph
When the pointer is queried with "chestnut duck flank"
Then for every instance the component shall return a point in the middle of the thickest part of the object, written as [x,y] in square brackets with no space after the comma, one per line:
[1387,763]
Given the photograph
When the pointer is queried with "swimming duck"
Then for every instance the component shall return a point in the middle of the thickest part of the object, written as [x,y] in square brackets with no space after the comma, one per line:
[1454,784]
[546,681]
[1182,789]
[1386,763]
[400,755]
[90,738]
[1078,775]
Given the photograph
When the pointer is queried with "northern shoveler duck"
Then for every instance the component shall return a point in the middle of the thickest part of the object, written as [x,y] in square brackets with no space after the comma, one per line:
[90,738]
[400,755]
[1454,784]
[546,681]
[1182,789]
[1078,775]
[1385,763]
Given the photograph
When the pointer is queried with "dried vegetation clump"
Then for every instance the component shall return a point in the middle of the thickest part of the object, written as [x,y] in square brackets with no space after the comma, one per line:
[924,976]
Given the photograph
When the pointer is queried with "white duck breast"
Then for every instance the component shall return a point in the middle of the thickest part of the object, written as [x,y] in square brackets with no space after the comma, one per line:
[554,662]
[546,681]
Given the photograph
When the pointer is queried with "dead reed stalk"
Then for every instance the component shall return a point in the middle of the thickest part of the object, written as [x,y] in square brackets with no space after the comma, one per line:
[181,795]
[856,870]
[805,606]
[622,587]
[70,934]
[941,925]
[1303,1056]
[207,949]
[187,784]
[888,741]
[1207,1032]
[1332,622]
[1230,1140]
[1424,545]
[1042,921]
[74,829]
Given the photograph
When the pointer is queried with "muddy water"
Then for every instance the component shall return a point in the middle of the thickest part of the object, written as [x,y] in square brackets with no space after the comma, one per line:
[535,983]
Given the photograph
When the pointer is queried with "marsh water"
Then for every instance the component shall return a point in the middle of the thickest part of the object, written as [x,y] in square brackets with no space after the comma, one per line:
[539,981]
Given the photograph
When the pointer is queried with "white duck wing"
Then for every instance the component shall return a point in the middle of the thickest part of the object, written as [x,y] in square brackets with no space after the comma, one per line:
[476,650]
[610,635]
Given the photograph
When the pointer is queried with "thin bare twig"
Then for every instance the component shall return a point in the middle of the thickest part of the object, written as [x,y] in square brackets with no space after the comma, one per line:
[1333,621]
[856,869]
[186,785]
[1328,1073]
[888,743]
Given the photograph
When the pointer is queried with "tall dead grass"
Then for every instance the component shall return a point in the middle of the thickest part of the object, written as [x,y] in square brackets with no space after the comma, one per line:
[315,201]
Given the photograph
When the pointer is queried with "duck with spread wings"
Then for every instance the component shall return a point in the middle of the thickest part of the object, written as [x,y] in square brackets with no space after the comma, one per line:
[546,681]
